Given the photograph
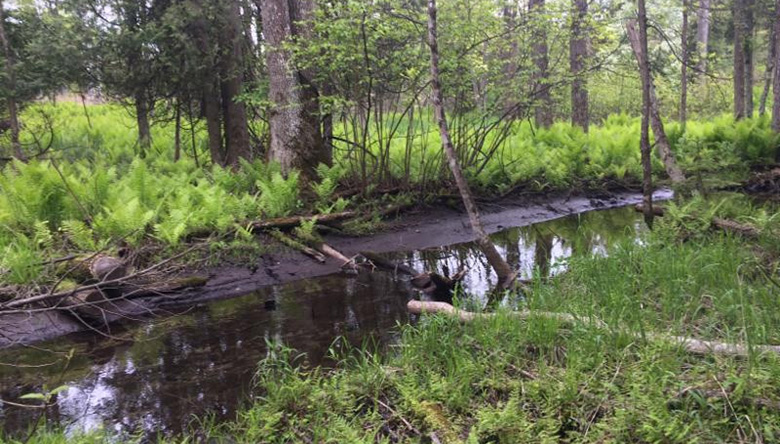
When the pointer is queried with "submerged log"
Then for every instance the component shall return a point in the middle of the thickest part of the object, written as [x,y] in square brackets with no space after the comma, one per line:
[387,264]
[691,345]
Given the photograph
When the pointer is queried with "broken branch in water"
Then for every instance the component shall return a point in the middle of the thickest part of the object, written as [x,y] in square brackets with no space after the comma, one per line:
[691,345]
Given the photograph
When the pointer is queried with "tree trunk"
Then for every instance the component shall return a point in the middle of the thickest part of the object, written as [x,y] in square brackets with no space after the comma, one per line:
[703,35]
[664,149]
[142,119]
[644,144]
[749,44]
[543,108]
[296,140]
[235,121]
[770,67]
[776,86]
[578,52]
[502,269]
[13,112]
[177,133]
[739,59]
[211,111]
[684,69]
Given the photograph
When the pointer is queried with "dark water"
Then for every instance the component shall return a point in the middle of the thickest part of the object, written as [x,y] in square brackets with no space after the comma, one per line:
[155,377]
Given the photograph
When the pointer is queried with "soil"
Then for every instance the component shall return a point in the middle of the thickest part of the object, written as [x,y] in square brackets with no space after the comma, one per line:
[421,228]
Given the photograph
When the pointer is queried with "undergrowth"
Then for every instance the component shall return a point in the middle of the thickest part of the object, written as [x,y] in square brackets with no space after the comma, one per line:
[93,193]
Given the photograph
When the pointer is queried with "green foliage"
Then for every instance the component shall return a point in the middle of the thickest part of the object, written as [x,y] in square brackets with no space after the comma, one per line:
[279,195]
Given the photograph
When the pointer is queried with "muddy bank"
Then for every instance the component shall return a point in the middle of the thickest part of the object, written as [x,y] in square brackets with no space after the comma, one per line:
[422,228]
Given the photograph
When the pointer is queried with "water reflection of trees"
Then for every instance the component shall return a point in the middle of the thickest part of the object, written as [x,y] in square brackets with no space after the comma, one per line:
[168,373]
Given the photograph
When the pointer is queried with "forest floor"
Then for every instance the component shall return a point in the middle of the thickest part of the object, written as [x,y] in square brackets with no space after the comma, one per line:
[423,226]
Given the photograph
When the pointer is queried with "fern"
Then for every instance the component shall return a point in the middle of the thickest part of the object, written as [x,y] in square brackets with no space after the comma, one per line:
[279,196]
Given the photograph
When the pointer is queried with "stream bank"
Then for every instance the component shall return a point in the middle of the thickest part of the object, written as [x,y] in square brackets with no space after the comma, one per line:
[423,228]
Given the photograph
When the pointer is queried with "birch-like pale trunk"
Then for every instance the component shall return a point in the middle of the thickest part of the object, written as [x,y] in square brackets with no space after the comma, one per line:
[664,148]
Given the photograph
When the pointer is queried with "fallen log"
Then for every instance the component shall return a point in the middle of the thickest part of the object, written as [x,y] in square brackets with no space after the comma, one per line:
[726,225]
[100,305]
[294,244]
[691,345]
[294,221]
[733,227]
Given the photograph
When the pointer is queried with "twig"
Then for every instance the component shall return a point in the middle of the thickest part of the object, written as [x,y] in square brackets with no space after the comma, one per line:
[63,294]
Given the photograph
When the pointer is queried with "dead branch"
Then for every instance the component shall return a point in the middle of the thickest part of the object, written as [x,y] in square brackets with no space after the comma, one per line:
[691,345]
[63,294]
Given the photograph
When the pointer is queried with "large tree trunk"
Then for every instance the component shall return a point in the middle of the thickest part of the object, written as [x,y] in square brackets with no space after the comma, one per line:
[142,119]
[296,140]
[770,67]
[236,130]
[644,144]
[543,108]
[13,111]
[664,149]
[739,59]
[750,25]
[578,52]
[776,86]
[212,113]
[703,35]
[684,69]
[505,274]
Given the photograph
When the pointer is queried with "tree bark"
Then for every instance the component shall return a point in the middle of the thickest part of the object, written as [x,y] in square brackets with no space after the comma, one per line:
[770,67]
[739,59]
[703,35]
[13,111]
[235,120]
[578,52]
[543,109]
[776,86]
[664,149]
[296,139]
[684,68]
[142,119]
[749,44]
[211,111]
[505,274]
[177,133]
[644,143]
